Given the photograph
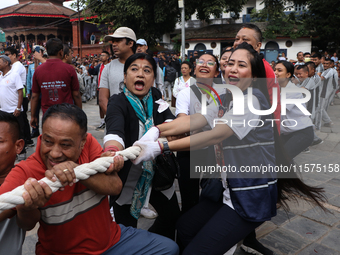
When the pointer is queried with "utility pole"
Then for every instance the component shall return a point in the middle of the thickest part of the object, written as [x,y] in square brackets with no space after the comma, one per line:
[181,6]
[79,33]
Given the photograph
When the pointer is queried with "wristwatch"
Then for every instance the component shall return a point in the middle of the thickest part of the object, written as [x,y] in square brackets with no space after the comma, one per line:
[166,148]
[19,109]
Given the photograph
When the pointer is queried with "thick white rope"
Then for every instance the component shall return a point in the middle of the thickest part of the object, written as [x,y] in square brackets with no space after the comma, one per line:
[13,198]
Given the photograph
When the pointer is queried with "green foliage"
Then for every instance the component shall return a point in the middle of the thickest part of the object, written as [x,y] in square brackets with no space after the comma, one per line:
[279,23]
[150,19]
[323,18]
[320,20]
[206,8]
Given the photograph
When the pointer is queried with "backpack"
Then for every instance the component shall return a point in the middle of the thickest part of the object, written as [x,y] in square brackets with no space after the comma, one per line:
[170,74]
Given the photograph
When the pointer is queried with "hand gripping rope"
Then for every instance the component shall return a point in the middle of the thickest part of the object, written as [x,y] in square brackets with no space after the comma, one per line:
[13,198]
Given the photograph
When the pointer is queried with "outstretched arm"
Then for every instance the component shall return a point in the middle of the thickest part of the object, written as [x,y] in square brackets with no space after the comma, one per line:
[183,124]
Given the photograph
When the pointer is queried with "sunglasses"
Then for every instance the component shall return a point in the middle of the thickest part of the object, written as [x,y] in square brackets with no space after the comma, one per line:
[209,63]
[6,54]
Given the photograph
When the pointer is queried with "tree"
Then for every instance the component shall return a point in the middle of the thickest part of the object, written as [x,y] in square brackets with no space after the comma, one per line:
[150,19]
[323,18]
[320,20]
[280,22]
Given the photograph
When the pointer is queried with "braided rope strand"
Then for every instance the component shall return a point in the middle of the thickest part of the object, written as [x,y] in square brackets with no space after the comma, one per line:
[13,198]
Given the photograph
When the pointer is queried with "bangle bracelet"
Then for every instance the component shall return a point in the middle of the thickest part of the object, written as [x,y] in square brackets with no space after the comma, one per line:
[111,148]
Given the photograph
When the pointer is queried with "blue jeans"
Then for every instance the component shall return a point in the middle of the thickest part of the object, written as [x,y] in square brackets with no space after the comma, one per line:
[139,241]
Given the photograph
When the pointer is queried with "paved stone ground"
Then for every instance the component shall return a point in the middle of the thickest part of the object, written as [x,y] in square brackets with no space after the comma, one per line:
[305,229]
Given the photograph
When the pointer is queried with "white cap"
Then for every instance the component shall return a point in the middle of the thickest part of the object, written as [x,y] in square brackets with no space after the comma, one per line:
[121,32]
[141,42]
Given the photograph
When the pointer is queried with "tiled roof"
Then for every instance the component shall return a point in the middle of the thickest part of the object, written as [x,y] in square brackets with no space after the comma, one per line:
[36,9]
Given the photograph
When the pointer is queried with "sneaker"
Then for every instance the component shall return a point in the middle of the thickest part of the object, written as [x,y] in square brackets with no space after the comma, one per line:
[253,246]
[328,124]
[148,213]
[318,141]
[101,126]
[307,150]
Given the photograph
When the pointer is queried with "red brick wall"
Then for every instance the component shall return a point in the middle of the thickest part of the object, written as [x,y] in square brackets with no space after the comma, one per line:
[86,49]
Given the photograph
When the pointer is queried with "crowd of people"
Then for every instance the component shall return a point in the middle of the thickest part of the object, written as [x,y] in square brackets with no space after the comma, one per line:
[132,88]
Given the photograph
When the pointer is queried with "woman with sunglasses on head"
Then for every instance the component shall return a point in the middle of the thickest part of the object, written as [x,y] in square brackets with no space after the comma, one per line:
[213,227]
[296,127]
[129,115]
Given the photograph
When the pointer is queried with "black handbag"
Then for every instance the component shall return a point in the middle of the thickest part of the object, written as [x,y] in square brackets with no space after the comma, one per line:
[166,169]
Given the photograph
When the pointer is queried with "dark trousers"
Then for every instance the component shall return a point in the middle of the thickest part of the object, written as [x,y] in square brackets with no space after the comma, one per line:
[21,121]
[168,213]
[189,187]
[37,115]
[27,131]
[295,142]
[212,228]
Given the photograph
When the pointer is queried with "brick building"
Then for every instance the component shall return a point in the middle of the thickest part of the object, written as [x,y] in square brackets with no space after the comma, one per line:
[36,21]
[82,40]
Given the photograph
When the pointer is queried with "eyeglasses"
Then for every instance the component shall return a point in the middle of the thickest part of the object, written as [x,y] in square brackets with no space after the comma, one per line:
[209,63]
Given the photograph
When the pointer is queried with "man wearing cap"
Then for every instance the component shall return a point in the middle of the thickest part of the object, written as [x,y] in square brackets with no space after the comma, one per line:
[142,47]
[123,45]
[11,92]
[38,53]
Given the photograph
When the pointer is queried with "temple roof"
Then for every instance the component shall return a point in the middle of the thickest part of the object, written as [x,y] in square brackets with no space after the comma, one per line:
[37,8]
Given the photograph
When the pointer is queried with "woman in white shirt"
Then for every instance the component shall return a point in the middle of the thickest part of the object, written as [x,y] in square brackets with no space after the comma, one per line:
[185,80]
[296,127]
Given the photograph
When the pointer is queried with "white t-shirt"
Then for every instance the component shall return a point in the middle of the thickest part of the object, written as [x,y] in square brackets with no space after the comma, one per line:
[335,59]
[18,68]
[9,86]
[294,119]
[112,76]
[180,84]
[188,103]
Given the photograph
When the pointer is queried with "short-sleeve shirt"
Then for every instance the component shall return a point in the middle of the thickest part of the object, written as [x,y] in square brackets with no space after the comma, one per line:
[10,83]
[18,68]
[294,119]
[112,76]
[74,221]
[55,81]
